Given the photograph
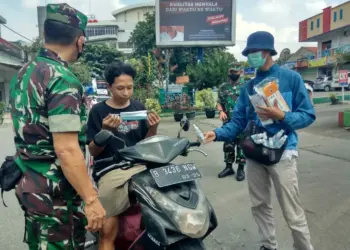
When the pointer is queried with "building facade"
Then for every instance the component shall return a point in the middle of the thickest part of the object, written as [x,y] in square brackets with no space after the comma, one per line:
[331,30]
[11,60]
[116,33]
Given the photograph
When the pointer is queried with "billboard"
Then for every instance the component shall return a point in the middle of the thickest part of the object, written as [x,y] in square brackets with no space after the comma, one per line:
[199,23]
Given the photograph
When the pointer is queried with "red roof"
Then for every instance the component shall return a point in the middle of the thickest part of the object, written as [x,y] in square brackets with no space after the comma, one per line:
[312,49]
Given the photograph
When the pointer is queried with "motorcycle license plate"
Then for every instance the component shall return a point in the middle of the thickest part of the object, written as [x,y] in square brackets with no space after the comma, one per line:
[175,174]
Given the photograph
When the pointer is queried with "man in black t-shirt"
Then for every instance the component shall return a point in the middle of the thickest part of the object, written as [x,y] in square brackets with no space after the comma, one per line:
[113,185]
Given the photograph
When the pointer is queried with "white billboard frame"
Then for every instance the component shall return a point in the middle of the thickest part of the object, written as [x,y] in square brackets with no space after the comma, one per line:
[211,43]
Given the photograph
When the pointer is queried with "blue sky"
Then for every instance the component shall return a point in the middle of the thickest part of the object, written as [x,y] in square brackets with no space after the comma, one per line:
[280,17]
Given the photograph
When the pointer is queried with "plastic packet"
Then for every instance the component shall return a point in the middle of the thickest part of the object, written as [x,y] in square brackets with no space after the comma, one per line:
[134,116]
[258,101]
[269,90]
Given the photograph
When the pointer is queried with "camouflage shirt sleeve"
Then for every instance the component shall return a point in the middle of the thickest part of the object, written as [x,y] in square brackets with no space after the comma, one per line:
[221,99]
[64,101]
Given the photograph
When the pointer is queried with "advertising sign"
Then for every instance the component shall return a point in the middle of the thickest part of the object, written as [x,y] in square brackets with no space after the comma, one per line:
[199,23]
[343,78]
[318,62]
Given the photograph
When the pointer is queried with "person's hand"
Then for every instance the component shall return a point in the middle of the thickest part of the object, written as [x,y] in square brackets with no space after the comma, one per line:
[209,136]
[223,116]
[95,215]
[111,122]
[153,119]
[273,113]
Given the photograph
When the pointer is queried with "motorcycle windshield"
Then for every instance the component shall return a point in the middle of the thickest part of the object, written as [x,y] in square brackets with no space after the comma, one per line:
[156,149]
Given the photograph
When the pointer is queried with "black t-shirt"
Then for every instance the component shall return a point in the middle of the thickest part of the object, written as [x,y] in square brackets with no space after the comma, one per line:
[130,131]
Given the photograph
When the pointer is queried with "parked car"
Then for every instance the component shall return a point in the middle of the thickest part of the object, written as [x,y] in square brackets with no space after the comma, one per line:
[323,83]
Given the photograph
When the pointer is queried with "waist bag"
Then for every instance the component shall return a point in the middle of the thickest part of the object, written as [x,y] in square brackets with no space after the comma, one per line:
[259,152]
[10,175]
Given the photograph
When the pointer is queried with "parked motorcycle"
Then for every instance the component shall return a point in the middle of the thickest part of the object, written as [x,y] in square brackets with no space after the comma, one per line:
[169,209]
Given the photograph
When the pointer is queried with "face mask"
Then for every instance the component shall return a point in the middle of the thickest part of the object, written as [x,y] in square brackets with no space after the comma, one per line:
[234,77]
[133,116]
[256,59]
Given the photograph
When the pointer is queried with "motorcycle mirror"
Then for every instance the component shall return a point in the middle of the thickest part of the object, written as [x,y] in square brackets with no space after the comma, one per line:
[102,137]
[185,124]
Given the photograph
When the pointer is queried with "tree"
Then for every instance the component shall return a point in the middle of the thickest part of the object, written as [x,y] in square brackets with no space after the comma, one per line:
[146,74]
[98,56]
[143,37]
[32,50]
[284,56]
[213,71]
[81,71]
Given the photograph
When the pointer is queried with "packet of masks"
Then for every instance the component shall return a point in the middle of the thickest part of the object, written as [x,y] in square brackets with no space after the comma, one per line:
[133,116]
[269,90]
[258,101]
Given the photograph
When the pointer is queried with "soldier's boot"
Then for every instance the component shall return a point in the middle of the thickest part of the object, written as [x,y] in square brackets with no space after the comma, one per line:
[229,152]
[240,173]
[227,171]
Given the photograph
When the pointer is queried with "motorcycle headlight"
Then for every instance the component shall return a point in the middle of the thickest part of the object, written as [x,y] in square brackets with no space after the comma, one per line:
[191,222]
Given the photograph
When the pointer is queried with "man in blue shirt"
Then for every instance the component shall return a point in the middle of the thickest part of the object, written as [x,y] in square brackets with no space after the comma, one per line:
[259,50]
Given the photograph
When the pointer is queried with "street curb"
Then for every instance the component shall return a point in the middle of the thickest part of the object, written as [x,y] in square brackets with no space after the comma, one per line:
[323,100]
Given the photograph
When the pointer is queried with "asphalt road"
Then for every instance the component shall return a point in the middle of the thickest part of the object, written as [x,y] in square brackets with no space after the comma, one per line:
[324,176]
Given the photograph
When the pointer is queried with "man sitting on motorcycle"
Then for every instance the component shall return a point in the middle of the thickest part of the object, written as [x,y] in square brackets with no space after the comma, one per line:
[113,185]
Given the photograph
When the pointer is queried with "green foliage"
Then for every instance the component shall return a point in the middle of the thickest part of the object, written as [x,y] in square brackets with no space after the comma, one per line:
[213,71]
[98,56]
[144,36]
[333,96]
[206,98]
[153,105]
[143,93]
[2,112]
[33,49]
[146,71]
[81,71]
[343,58]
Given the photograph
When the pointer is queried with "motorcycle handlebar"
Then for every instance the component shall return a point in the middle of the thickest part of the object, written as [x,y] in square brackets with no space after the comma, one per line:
[105,160]
[195,144]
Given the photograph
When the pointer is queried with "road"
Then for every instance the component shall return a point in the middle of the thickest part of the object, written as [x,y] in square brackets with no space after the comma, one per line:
[324,176]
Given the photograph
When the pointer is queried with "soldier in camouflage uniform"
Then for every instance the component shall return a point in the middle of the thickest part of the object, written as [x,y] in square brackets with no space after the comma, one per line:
[49,120]
[228,94]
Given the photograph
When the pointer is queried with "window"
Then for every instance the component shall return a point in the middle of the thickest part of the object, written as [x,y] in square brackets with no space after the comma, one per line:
[334,16]
[312,25]
[318,23]
[341,14]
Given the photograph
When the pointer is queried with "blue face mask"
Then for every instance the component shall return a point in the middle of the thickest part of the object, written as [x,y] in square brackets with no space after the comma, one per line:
[134,116]
[256,59]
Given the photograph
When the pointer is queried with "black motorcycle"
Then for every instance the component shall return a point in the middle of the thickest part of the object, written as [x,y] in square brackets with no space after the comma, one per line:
[174,212]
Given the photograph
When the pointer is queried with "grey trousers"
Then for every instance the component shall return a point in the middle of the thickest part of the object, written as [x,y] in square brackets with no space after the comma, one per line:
[284,178]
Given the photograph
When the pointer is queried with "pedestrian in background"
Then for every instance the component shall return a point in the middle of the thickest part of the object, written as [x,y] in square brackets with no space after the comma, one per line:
[228,95]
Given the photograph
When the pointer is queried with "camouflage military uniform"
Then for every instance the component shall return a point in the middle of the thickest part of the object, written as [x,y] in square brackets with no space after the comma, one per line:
[46,97]
[228,95]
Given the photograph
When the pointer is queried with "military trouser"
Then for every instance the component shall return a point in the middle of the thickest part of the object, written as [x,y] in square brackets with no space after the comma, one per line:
[54,215]
[233,152]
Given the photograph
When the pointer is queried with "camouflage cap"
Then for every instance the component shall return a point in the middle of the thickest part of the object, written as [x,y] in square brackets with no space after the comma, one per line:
[234,67]
[66,14]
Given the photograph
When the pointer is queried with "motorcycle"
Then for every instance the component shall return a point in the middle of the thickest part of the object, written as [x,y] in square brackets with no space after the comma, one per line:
[168,207]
